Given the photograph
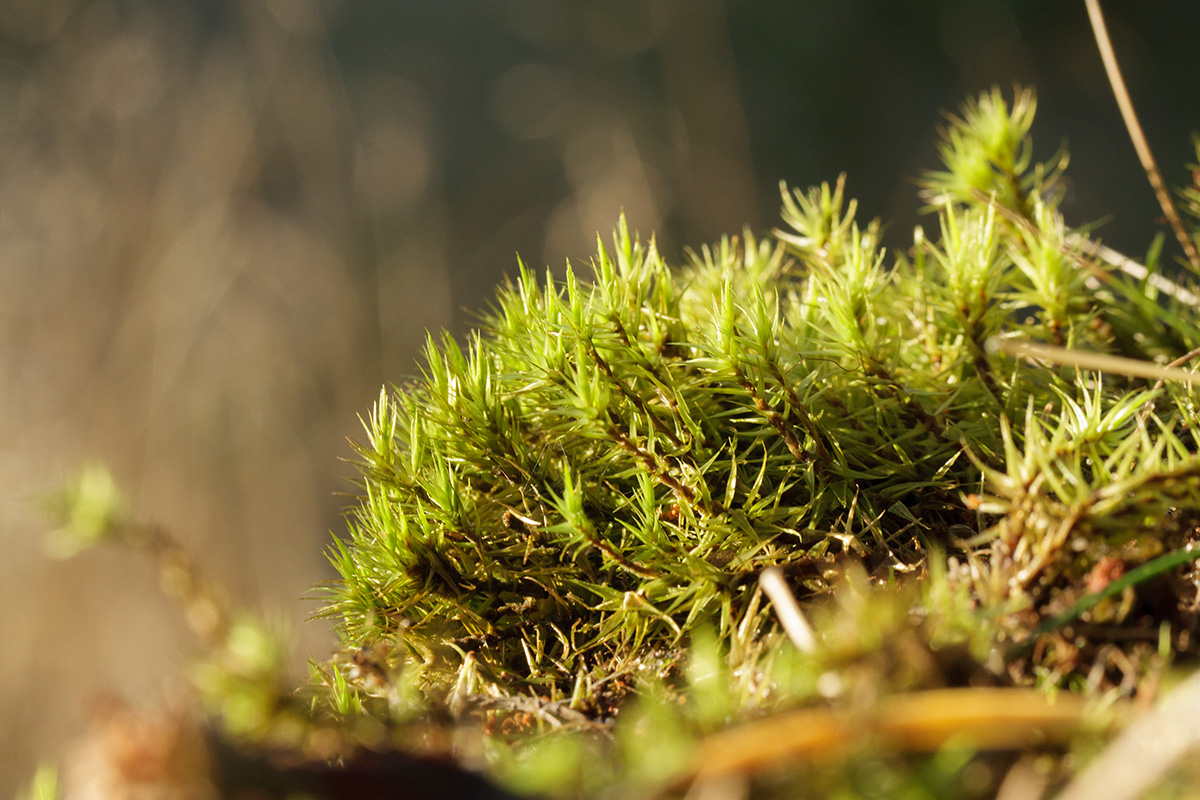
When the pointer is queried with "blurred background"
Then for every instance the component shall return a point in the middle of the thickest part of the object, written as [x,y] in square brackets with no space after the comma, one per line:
[224,225]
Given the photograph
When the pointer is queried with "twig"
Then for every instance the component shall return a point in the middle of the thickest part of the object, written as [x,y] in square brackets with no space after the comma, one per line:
[987,718]
[1135,133]
[1095,250]
[1179,362]
[1138,271]
[788,610]
[1083,359]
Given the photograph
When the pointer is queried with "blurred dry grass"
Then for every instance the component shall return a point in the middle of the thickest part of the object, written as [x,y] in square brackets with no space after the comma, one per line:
[214,249]
[179,299]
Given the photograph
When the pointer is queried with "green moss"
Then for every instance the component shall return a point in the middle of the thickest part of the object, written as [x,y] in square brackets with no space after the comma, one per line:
[552,572]
[608,464]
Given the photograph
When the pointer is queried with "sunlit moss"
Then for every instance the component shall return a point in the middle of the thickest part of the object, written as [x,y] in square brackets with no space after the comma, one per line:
[609,463]
[552,570]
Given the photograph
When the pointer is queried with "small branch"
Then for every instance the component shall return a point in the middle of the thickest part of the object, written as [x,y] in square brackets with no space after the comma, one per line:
[788,610]
[1139,271]
[911,722]
[1176,364]
[1096,250]
[1135,133]
[1083,359]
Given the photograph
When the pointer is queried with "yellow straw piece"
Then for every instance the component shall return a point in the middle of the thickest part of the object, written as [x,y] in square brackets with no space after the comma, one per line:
[788,610]
[1083,359]
[986,718]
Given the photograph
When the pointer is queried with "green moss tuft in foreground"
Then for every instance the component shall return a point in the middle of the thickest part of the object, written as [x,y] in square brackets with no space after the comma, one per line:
[610,462]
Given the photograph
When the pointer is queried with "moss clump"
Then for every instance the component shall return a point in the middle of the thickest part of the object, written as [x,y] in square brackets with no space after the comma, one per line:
[608,464]
[948,455]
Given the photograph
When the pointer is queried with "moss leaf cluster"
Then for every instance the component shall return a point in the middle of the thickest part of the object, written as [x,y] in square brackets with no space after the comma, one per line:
[609,462]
